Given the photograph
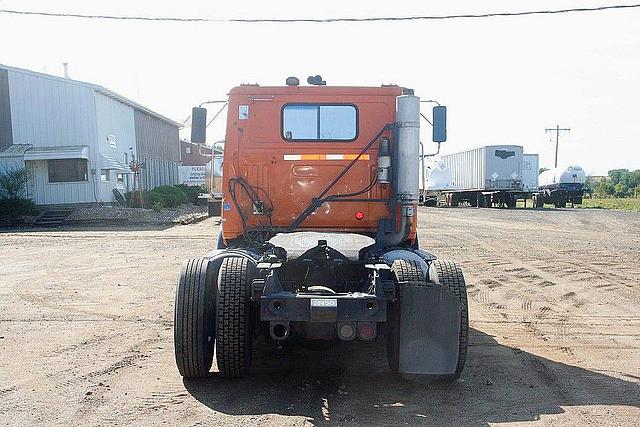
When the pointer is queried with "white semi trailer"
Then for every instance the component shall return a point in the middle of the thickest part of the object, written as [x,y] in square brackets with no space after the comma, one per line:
[486,176]
[530,165]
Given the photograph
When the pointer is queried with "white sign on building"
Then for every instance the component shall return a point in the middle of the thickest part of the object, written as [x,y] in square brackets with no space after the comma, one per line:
[192,175]
[113,141]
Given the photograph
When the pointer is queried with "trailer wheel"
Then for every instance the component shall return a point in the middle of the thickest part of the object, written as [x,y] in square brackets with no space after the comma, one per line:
[234,341]
[449,274]
[194,321]
[403,271]
[538,200]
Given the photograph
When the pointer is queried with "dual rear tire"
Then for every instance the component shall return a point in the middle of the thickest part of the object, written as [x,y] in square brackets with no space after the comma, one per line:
[213,312]
[445,273]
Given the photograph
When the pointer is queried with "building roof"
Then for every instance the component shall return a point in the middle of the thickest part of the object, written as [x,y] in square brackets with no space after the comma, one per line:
[97,88]
[57,153]
[15,150]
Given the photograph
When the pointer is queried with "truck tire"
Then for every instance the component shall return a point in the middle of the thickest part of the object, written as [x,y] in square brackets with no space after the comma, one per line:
[449,274]
[194,320]
[234,337]
[407,271]
[403,271]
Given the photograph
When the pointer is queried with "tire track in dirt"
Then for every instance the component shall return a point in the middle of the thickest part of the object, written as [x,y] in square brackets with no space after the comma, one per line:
[532,301]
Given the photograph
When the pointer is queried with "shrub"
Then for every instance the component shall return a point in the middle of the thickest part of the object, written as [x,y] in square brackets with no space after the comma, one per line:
[17,207]
[13,183]
[192,193]
[172,196]
[150,198]
[157,206]
[169,196]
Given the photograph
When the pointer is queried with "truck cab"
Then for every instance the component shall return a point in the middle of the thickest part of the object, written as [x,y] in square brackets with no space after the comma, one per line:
[289,143]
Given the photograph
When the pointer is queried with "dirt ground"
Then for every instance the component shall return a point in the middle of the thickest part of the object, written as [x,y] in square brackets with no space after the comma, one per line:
[86,331]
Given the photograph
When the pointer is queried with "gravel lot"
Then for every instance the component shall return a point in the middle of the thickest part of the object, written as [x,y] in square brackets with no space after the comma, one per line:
[116,214]
[86,331]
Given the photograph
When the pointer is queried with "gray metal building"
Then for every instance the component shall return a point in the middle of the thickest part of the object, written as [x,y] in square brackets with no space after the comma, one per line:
[77,139]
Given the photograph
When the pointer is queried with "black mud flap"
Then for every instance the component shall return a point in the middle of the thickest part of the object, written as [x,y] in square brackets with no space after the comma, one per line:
[429,329]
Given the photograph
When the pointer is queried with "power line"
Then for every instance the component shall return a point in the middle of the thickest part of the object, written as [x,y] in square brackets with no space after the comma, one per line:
[319,20]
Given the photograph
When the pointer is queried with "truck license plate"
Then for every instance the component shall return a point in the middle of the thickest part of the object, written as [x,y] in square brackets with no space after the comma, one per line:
[324,302]
[324,309]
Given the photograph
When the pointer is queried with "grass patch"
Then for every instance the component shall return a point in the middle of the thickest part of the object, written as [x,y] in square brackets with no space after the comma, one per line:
[622,204]
[614,203]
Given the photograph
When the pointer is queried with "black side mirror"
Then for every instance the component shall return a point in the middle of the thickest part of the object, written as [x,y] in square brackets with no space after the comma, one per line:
[439,123]
[199,125]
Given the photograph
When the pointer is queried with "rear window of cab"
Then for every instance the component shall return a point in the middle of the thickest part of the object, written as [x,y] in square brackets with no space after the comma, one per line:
[319,122]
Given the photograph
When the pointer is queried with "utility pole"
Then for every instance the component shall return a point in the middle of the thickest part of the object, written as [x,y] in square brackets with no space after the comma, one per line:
[557,130]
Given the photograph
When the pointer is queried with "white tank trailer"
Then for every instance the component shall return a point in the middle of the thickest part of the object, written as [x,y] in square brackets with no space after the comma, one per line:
[560,186]
[485,176]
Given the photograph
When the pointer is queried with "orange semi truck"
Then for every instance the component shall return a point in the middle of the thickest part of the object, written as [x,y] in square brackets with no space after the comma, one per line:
[318,236]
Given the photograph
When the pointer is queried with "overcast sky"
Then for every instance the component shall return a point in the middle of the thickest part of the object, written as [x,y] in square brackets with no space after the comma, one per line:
[504,79]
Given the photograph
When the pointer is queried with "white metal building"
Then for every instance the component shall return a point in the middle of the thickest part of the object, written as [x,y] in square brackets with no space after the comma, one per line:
[78,138]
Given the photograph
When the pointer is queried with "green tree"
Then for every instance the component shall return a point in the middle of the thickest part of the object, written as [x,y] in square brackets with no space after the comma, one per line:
[616,175]
[619,189]
[622,182]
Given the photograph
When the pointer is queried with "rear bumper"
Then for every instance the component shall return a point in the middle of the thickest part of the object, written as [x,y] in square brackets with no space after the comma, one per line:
[299,307]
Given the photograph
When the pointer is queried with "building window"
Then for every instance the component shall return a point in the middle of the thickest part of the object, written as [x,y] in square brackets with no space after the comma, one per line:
[120,178]
[312,122]
[67,170]
[187,150]
[105,175]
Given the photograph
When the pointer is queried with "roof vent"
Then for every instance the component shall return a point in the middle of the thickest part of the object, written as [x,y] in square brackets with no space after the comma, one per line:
[293,81]
[316,81]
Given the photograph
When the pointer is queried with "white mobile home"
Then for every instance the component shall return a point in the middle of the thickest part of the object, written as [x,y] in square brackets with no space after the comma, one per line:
[77,139]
